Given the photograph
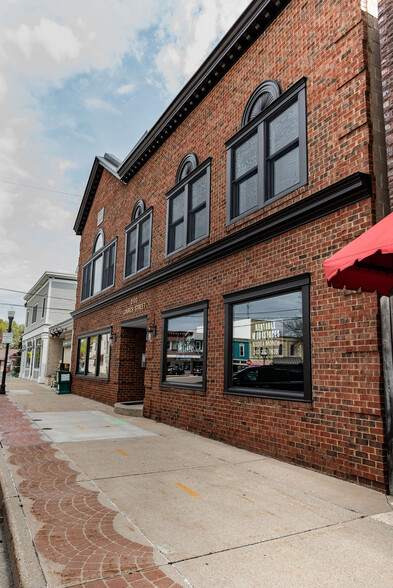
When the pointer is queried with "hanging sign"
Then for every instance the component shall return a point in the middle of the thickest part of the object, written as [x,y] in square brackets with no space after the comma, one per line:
[8,338]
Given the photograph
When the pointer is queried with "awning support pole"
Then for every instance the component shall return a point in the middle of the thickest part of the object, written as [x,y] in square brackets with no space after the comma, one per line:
[387,356]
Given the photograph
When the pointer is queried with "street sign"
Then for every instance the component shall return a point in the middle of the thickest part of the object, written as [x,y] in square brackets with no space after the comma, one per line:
[8,338]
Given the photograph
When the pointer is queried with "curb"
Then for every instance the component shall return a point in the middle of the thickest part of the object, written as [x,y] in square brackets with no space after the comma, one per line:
[25,565]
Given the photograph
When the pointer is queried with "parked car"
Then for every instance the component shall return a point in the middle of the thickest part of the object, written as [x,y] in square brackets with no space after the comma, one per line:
[197,371]
[272,377]
[175,370]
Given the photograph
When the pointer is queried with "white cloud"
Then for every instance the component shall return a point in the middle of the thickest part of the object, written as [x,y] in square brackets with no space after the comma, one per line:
[193,29]
[127,89]
[96,103]
[57,40]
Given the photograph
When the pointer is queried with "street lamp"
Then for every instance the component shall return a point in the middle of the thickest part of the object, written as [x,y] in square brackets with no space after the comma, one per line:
[11,314]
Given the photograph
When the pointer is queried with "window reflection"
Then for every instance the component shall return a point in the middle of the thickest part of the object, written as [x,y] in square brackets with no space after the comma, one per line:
[184,349]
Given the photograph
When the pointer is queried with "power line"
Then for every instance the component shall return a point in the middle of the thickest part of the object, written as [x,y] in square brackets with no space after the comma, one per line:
[43,295]
[40,188]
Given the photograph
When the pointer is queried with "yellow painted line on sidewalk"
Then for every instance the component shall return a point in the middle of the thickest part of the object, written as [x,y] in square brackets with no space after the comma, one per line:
[81,428]
[50,408]
[123,452]
[188,490]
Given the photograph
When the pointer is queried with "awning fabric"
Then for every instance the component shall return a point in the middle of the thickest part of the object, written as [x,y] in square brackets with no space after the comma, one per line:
[366,262]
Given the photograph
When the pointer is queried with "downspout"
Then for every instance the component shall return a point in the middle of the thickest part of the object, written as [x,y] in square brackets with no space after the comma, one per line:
[387,357]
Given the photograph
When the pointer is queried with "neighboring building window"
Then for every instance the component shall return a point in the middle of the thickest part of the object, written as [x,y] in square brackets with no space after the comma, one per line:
[37,355]
[241,350]
[267,159]
[188,204]
[183,362]
[28,356]
[138,240]
[34,317]
[27,318]
[93,355]
[43,306]
[275,320]
[99,272]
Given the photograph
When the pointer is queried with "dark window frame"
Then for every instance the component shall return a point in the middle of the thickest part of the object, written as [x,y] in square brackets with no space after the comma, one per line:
[43,307]
[136,224]
[259,126]
[202,306]
[184,186]
[34,314]
[88,269]
[88,336]
[298,283]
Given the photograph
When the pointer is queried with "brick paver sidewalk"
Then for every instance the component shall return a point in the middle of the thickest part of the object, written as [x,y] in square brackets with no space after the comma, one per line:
[77,536]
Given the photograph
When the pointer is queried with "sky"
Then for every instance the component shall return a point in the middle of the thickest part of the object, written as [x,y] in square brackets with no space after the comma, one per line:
[80,78]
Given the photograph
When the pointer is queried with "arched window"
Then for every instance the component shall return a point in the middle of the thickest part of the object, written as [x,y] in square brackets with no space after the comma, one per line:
[99,271]
[138,240]
[267,158]
[188,204]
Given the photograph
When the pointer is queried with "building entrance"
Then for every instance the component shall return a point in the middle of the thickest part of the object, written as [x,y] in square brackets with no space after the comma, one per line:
[132,361]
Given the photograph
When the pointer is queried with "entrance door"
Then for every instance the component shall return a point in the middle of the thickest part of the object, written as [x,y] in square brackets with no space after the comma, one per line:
[132,363]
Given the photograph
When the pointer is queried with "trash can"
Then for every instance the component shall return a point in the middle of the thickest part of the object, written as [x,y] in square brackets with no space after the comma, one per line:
[63,380]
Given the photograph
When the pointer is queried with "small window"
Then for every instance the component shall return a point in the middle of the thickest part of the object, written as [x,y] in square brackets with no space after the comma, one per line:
[241,350]
[188,207]
[93,356]
[27,318]
[275,321]
[267,159]
[43,306]
[34,317]
[138,240]
[184,347]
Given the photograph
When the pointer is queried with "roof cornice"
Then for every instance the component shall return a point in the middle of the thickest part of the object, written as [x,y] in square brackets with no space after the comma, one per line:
[252,23]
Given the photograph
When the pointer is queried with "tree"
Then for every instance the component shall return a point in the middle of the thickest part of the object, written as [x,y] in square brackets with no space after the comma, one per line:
[17,330]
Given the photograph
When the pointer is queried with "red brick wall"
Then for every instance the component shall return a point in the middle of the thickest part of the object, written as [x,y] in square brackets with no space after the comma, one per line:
[341,432]
[385,18]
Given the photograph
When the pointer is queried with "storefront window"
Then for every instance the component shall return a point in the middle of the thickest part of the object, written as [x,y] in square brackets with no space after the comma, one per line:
[184,349]
[28,356]
[92,355]
[104,356]
[268,343]
[81,363]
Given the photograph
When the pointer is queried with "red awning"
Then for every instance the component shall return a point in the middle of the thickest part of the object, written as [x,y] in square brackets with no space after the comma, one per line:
[366,262]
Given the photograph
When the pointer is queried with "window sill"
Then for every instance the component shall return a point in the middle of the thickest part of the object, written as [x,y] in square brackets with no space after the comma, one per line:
[269,394]
[183,387]
[95,378]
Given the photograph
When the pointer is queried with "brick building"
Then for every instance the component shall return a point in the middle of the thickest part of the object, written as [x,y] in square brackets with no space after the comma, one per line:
[201,288]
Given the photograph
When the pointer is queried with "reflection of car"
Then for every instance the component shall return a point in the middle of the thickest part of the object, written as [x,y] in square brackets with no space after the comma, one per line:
[175,370]
[197,371]
[273,377]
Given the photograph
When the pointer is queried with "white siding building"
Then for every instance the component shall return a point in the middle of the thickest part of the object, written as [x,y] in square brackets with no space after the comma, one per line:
[49,302]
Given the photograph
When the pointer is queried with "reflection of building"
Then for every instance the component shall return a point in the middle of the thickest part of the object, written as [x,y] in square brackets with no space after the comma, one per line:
[46,340]
[184,350]
[224,211]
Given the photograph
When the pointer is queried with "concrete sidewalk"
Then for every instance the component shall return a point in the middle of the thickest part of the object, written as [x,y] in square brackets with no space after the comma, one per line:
[98,501]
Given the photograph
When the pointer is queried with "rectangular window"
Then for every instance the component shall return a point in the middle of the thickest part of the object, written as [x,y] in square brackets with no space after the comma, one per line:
[28,356]
[275,321]
[43,306]
[99,273]
[183,362]
[93,355]
[34,317]
[92,362]
[81,360]
[108,271]
[37,355]
[138,244]
[188,209]
[104,356]
[267,159]
[27,318]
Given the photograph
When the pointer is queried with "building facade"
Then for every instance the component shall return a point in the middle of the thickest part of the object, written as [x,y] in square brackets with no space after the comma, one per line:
[49,302]
[201,288]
